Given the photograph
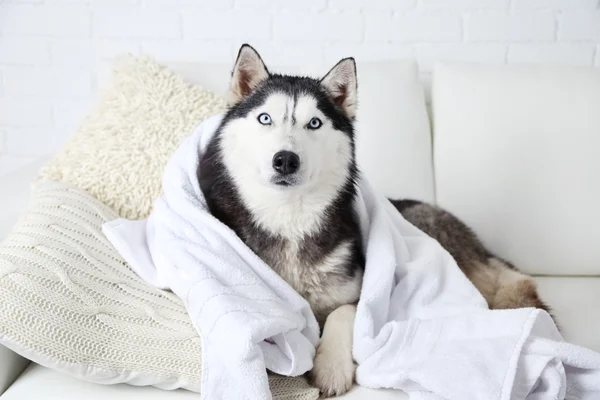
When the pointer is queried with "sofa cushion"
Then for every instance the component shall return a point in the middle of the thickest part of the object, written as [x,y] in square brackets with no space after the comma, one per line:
[11,366]
[516,157]
[39,382]
[15,194]
[14,187]
[572,301]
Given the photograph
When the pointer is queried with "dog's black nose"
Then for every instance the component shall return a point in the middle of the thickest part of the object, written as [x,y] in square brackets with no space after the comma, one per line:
[286,162]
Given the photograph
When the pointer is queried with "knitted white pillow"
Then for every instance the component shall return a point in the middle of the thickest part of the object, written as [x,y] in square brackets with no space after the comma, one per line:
[120,150]
[69,302]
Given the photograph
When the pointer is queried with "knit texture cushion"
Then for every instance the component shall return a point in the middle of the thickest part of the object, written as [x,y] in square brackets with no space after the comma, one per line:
[68,301]
[120,150]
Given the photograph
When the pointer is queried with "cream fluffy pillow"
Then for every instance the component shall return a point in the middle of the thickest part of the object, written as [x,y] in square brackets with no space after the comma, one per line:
[121,148]
[69,302]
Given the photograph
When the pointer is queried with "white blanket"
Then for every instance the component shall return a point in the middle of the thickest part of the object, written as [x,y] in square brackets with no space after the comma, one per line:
[421,326]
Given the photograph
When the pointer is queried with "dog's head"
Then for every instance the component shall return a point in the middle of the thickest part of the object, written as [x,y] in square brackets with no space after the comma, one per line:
[289,133]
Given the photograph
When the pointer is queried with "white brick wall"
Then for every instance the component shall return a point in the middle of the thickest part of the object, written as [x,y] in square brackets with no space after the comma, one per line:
[498,26]
[55,54]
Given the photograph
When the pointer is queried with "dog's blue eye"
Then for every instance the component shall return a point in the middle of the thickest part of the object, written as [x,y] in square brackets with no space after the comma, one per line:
[315,123]
[264,119]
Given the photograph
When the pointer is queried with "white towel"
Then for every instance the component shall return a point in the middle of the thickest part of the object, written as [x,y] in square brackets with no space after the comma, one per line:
[421,326]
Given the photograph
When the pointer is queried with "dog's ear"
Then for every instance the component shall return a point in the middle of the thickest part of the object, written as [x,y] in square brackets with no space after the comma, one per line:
[248,72]
[341,84]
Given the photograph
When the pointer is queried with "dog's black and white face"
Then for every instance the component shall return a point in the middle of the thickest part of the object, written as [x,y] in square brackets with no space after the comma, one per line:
[288,136]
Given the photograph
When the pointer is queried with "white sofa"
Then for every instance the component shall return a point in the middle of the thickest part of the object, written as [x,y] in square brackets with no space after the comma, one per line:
[513,152]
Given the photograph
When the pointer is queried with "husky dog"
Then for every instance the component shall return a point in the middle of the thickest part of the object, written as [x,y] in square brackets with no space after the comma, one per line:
[281,172]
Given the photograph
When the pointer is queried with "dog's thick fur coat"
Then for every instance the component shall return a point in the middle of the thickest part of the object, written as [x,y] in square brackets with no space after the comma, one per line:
[281,172]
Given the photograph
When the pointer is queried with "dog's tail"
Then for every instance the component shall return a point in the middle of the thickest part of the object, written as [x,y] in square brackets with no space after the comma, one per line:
[513,289]
[500,283]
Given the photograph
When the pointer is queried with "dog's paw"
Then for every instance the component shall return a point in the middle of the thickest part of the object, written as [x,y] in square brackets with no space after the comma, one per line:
[333,371]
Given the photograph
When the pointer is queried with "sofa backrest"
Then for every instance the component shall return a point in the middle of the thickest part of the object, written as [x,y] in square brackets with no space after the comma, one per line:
[393,133]
[517,156]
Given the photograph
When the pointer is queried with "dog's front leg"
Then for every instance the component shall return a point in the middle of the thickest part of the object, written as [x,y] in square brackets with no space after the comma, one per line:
[333,369]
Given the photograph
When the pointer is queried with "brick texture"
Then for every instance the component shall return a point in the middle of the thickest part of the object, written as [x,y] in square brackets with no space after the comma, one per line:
[136,23]
[421,27]
[556,5]
[579,26]
[46,82]
[24,51]
[25,113]
[44,20]
[505,27]
[203,24]
[429,54]
[562,54]
[464,4]
[319,28]
[55,55]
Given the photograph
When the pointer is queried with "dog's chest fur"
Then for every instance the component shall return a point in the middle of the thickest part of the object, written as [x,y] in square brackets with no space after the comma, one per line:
[325,278]
[326,269]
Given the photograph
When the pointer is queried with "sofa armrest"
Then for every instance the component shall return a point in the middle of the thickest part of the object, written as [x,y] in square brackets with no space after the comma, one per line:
[14,198]
[14,194]
[11,366]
